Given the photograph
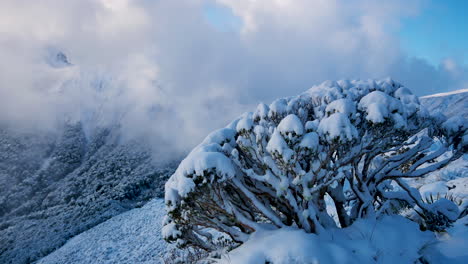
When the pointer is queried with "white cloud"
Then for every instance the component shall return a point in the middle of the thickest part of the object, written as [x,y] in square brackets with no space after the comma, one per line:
[173,76]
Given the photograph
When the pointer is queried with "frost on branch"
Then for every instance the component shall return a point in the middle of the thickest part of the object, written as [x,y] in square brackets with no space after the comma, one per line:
[353,141]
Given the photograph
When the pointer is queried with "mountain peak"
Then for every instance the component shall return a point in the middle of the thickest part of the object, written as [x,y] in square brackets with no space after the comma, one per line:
[57,59]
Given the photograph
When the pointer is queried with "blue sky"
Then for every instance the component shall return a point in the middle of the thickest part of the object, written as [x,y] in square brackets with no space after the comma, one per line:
[221,17]
[438,32]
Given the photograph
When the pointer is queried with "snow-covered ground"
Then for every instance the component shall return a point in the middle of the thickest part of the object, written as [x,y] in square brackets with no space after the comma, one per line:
[392,239]
[131,237]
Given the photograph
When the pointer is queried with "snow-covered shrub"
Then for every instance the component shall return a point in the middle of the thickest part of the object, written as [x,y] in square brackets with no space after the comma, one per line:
[354,141]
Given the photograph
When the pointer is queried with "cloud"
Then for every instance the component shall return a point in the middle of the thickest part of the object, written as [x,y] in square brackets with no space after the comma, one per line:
[166,72]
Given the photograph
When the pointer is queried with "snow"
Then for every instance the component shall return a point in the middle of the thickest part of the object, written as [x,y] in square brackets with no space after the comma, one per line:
[278,107]
[337,126]
[392,239]
[454,124]
[344,106]
[169,230]
[196,164]
[409,100]
[435,189]
[270,247]
[454,244]
[310,141]
[245,123]
[458,188]
[261,112]
[456,169]
[446,207]
[278,144]
[450,105]
[311,125]
[135,237]
[131,237]
[377,113]
[208,155]
[378,106]
[291,123]
[400,121]
[220,136]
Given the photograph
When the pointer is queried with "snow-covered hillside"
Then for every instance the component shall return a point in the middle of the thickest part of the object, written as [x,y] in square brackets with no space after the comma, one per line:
[449,104]
[131,237]
[55,186]
[135,236]
[392,239]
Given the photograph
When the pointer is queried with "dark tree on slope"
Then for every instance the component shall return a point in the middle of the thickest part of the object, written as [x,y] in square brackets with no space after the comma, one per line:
[354,141]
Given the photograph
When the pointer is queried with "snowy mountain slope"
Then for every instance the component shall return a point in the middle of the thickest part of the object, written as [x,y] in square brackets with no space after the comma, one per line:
[449,104]
[131,237]
[55,186]
[124,245]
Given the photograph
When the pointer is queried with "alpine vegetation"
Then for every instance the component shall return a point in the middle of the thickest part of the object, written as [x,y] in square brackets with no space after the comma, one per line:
[354,142]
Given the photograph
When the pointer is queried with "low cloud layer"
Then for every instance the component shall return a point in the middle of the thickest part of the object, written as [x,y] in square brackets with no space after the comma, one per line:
[166,72]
